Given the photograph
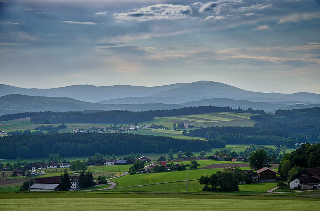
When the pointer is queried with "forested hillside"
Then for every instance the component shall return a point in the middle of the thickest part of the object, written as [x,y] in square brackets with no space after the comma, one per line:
[299,126]
[76,145]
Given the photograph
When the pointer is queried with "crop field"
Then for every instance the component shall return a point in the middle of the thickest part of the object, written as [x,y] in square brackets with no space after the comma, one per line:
[90,201]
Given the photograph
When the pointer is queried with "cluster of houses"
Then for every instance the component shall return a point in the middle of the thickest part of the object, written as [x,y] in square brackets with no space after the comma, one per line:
[3,133]
[307,179]
[128,128]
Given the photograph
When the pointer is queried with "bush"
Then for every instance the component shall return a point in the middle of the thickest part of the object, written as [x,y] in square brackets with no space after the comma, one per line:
[281,185]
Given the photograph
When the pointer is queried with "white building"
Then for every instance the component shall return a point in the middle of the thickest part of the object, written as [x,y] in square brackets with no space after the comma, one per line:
[294,184]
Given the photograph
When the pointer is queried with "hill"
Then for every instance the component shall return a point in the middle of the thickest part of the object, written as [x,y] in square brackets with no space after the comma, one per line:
[139,98]
[201,90]
[16,103]
[88,93]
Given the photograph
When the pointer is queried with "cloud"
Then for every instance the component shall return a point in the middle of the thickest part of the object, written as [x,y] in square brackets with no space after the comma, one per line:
[26,36]
[249,14]
[10,44]
[12,23]
[254,7]
[218,6]
[76,22]
[156,12]
[300,17]
[262,27]
[101,13]
[214,18]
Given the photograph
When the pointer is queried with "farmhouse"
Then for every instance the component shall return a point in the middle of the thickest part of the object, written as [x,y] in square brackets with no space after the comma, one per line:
[46,184]
[145,159]
[266,174]
[74,182]
[306,179]
[109,162]
[64,165]
[120,162]
[52,165]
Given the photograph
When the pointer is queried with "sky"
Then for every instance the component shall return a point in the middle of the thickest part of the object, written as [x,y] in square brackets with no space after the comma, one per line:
[268,46]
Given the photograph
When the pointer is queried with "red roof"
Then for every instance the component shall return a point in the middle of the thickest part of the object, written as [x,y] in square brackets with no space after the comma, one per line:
[265,169]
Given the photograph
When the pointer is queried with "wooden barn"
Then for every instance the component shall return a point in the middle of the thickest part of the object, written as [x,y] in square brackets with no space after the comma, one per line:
[266,174]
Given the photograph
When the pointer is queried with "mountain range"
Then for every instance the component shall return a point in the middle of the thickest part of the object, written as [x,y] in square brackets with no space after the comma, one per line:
[138,98]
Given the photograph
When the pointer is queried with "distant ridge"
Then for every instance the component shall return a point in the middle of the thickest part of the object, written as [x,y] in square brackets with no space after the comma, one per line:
[140,98]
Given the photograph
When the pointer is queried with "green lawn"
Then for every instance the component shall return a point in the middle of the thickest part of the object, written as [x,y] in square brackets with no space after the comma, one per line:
[10,189]
[90,201]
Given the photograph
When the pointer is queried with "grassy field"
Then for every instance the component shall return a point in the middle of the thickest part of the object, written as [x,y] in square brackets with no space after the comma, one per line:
[90,201]
[195,187]
[209,119]
[142,179]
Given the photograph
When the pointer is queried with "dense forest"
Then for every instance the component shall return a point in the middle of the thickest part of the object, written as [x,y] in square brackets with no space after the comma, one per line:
[241,135]
[75,145]
[118,117]
[299,125]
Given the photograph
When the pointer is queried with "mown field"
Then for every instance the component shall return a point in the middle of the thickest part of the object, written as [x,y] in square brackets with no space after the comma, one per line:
[92,201]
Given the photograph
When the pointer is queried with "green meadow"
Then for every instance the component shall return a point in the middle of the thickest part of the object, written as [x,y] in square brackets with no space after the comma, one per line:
[94,201]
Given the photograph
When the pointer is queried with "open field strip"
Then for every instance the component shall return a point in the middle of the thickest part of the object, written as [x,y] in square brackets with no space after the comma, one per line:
[86,201]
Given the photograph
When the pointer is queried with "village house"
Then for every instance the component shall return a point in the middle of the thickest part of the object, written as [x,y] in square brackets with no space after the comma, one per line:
[266,174]
[74,182]
[306,179]
[109,162]
[52,165]
[65,165]
[120,162]
[145,159]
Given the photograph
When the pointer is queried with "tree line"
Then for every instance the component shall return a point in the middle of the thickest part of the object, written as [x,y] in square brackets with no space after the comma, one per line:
[117,116]
[75,145]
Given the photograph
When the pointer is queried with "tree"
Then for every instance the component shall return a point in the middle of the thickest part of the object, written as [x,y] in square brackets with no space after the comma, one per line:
[284,168]
[174,126]
[65,182]
[136,166]
[78,166]
[25,186]
[194,164]
[86,180]
[290,144]
[170,154]
[292,173]
[98,156]
[259,159]
[222,181]
[203,154]
[180,154]
[102,180]
[161,158]
[188,154]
